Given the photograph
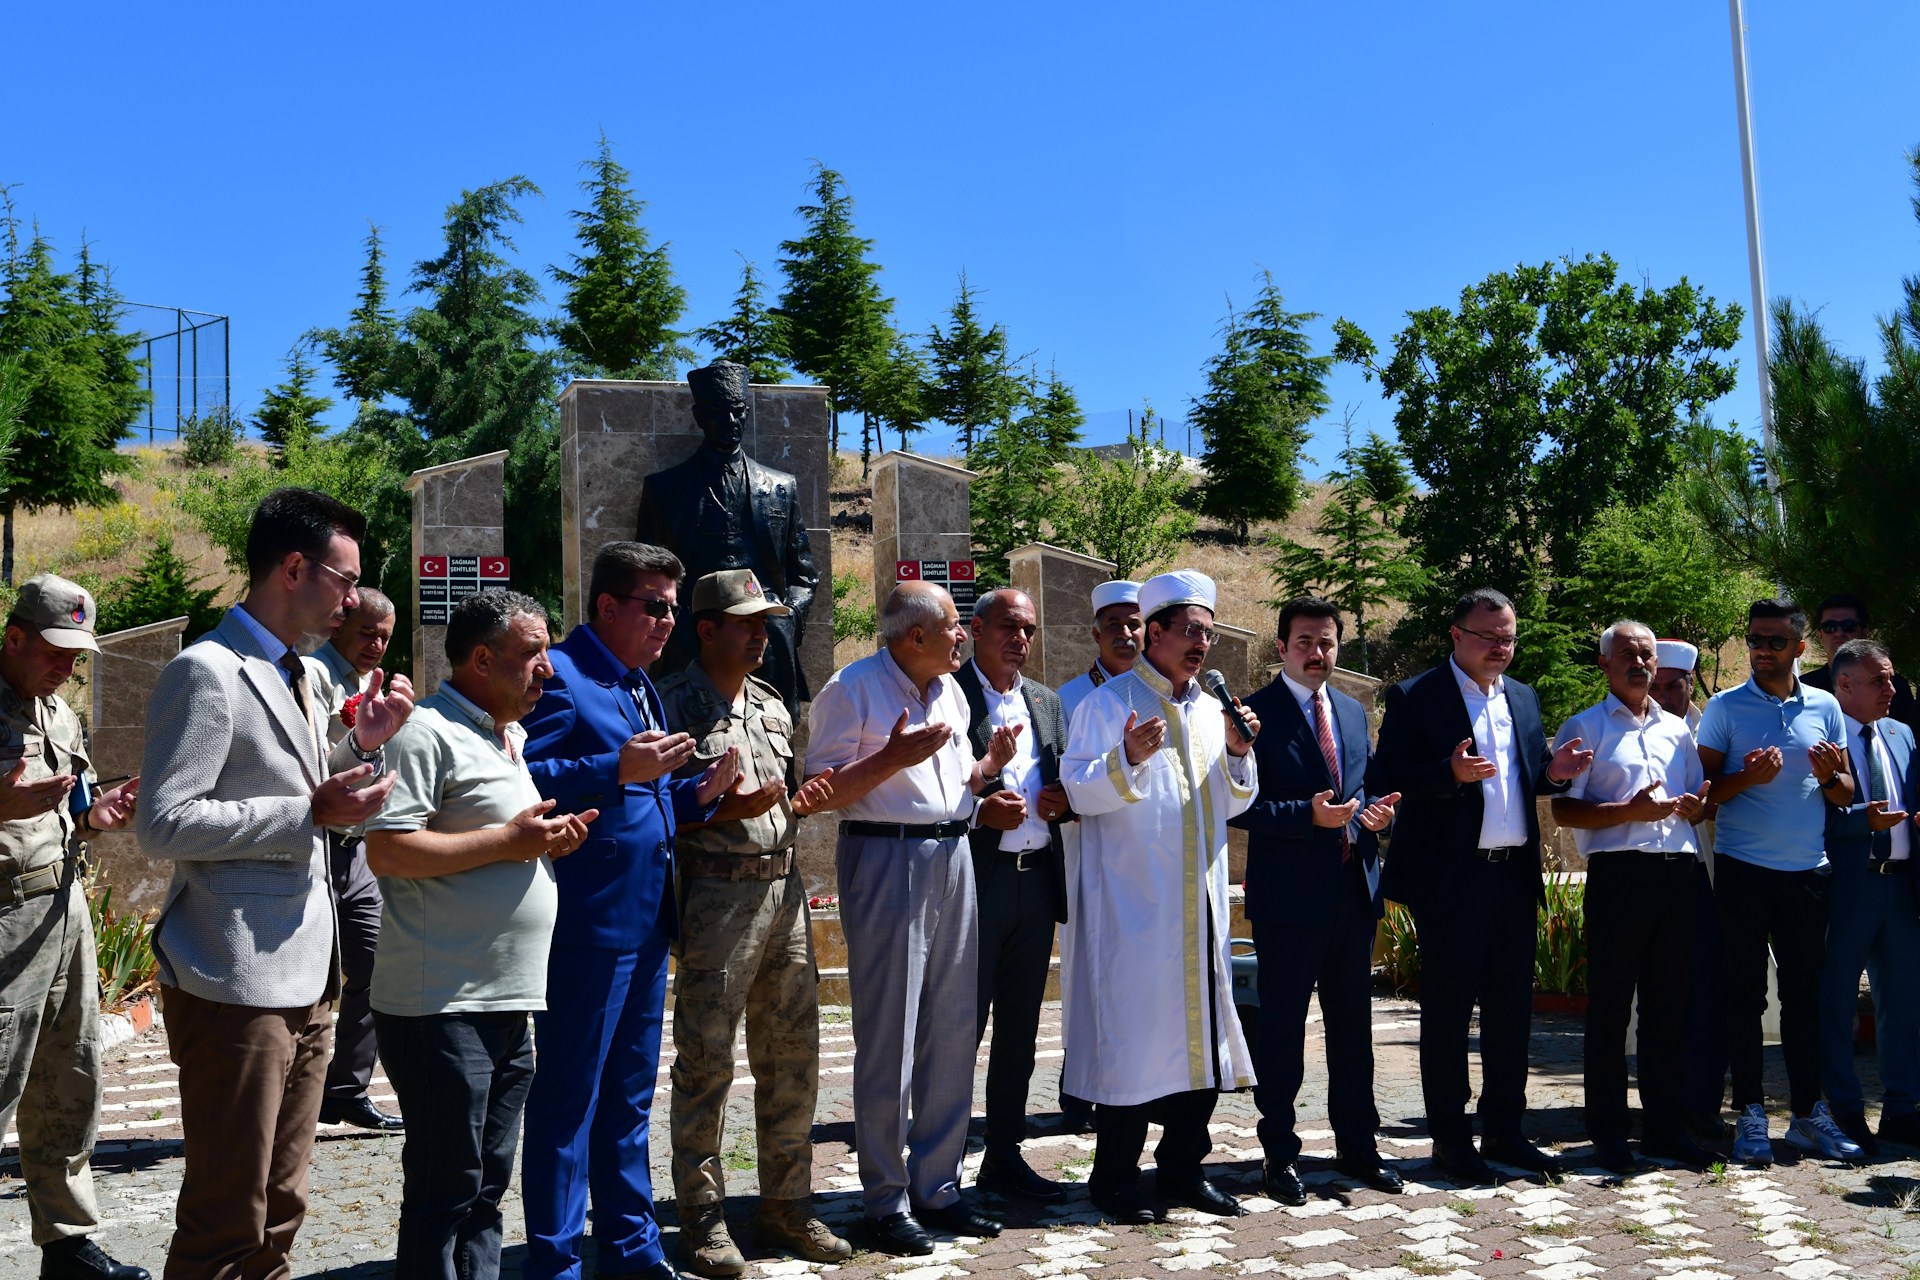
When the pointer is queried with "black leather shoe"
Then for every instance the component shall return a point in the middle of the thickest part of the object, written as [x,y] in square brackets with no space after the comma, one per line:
[1707,1126]
[899,1233]
[79,1258]
[1007,1174]
[1517,1151]
[1902,1127]
[1855,1127]
[1203,1195]
[361,1112]
[1123,1203]
[1283,1183]
[1461,1163]
[1368,1169]
[1677,1147]
[959,1219]
[1076,1114]
[1615,1156]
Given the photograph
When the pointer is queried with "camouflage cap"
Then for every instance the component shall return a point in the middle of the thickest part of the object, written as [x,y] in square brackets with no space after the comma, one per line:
[734,591]
[63,612]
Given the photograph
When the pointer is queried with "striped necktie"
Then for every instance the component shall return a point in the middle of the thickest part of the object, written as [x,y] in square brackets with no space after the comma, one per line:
[1324,731]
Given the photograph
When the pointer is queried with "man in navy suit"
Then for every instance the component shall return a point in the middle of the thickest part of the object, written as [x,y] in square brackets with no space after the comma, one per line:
[1313,897]
[1873,911]
[597,740]
[1465,746]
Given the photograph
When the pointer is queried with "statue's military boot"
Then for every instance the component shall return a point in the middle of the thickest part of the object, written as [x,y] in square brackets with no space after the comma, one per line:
[792,1227]
[706,1247]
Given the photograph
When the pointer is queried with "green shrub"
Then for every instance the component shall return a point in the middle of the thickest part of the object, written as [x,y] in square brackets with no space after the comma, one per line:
[209,441]
[159,589]
[1401,964]
[1560,946]
[852,621]
[122,947]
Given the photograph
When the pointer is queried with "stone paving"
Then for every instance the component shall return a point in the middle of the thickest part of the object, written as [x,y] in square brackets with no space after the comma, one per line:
[1803,1219]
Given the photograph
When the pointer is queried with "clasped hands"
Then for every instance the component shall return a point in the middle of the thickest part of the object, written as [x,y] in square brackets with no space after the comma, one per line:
[1374,817]
[1649,806]
[1568,763]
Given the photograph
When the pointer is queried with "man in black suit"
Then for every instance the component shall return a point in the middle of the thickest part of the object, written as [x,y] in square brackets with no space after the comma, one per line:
[1019,872]
[1841,617]
[1465,746]
[1313,897]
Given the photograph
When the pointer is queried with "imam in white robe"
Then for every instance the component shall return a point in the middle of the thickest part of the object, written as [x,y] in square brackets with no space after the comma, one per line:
[1149,998]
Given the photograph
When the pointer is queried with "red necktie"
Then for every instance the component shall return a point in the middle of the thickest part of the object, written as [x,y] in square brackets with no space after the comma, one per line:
[1324,731]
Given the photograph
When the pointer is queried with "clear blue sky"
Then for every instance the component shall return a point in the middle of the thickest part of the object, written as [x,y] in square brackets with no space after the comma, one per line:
[1106,174]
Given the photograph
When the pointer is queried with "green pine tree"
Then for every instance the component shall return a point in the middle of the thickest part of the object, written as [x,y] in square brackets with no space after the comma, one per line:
[972,384]
[1126,510]
[290,411]
[892,388]
[621,302]
[751,335]
[1058,414]
[362,353]
[832,312]
[1011,495]
[1388,481]
[163,587]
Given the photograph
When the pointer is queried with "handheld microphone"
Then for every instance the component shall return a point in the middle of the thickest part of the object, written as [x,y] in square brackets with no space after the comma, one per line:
[1217,686]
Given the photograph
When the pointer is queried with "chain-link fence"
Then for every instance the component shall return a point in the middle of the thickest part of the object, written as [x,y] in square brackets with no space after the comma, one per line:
[188,369]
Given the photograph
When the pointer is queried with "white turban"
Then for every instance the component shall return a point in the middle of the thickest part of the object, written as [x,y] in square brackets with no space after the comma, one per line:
[1115,592]
[1677,653]
[1182,586]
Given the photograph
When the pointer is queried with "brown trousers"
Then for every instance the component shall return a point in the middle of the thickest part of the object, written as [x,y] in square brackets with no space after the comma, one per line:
[250,1087]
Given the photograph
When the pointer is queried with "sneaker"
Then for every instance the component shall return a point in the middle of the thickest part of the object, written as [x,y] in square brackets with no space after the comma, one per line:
[1751,1145]
[1818,1133]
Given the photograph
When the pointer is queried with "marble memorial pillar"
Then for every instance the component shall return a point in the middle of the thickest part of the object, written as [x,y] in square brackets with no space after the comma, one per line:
[121,681]
[459,509]
[1061,585]
[920,512]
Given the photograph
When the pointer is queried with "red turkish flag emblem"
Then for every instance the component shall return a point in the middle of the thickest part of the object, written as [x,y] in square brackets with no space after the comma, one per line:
[906,570]
[433,566]
[494,567]
[960,570]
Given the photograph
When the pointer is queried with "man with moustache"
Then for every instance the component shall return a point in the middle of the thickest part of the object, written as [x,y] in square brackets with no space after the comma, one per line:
[1632,814]
[746,945]
[1464,745]
[1313,899]
[1873,909]
[1774,750]
[1155,769]
[890,729]
[465,850]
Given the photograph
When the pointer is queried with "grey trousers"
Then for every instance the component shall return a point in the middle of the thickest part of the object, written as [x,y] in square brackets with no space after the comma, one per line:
[913,945]
[354,1050]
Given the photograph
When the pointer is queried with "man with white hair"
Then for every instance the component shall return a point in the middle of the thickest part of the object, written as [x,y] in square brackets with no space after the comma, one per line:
[1155,769]
[891,728]
[1632,814]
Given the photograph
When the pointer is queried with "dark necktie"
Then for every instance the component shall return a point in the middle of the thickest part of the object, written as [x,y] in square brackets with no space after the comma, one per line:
[633,686]
[302,691]
[1882,845]
[1324,731]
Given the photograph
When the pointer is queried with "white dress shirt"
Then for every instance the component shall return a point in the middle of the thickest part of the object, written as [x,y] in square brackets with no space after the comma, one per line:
[1857,750]
[1022,774]
[1503,824]
[1629,753]
[1305,696]
[854,715]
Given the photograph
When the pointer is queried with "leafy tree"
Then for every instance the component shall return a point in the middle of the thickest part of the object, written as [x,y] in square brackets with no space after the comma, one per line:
[892,391]
[1012,493]
[1057,415]
[832,312]
[76,380]
[751,335]
[163,587]
[621,302]
[1360,565]
[291,411]
[972,384]
[352,467]
[1126,510]
[13,404]
[1548,395]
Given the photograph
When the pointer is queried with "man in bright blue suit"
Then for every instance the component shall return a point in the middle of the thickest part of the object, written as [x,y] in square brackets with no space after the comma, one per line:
[597,740]
[1873,907]
[1313,897]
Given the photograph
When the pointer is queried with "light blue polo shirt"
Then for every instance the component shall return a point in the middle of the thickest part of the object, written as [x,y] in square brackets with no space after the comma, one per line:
[1782,824]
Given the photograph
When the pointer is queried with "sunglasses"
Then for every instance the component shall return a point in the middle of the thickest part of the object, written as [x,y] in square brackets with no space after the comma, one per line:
[656,608]
[1777,644]
[1834,625]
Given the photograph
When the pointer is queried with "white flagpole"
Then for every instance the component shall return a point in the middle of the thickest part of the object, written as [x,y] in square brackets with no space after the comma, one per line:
[1756,265]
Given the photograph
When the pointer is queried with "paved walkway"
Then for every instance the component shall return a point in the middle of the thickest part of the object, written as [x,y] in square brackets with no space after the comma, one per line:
[1805,1220]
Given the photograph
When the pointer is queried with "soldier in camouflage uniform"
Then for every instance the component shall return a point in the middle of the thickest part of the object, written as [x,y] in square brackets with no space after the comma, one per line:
[49,980]
[745,942]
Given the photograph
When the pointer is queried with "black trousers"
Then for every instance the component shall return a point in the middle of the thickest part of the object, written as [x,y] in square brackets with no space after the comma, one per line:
[1762,908]
[1314,927]
[354,1046]
[1640,913]
[1016,911]
[1120,1135]
[1704,1055]
[462,1079]
[1477,947]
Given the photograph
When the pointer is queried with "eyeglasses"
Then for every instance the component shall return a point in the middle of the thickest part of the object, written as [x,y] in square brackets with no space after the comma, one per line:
[1776,643]
[1848,625]
[656,608]
[1198,631]
[353,583]
[1494,641]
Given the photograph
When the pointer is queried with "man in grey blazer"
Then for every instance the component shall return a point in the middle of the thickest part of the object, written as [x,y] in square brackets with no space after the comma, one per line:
[239,790]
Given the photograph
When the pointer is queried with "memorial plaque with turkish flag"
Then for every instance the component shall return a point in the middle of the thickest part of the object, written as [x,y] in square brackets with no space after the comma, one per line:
[447,580]
[957,576]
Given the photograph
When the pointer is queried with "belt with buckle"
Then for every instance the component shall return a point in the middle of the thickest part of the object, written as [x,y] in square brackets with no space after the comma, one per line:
[1501,854]
[32,884]
[905,830]
[733,866]
[1020,860]
[1889,866]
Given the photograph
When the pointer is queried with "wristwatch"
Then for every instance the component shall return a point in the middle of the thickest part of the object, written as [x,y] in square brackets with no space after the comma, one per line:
[353,745]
